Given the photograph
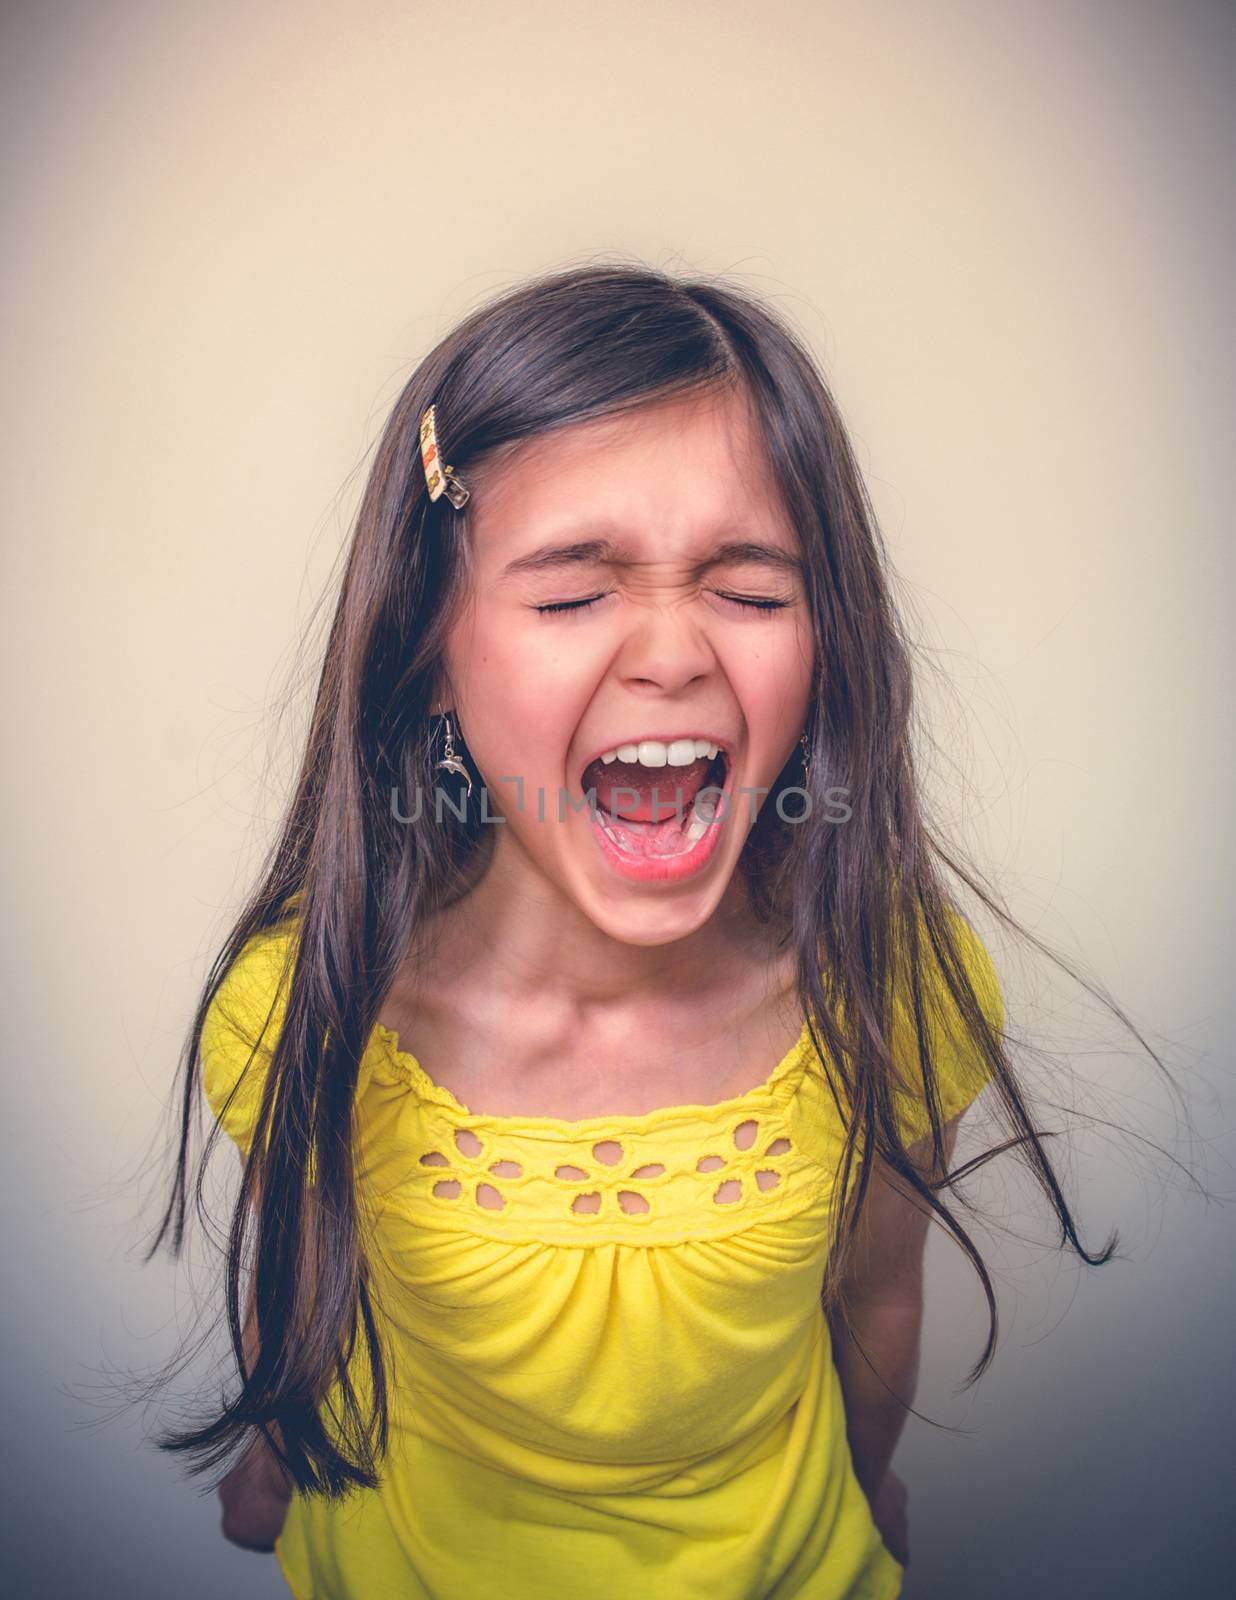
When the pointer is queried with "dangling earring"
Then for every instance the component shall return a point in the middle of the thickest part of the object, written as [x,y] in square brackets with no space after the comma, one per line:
[806,749]
[450,762]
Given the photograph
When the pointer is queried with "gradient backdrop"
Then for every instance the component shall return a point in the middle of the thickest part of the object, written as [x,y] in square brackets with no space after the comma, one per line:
[1006,229]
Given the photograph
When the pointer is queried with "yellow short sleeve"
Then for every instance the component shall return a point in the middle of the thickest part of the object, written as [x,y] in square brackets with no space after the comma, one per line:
[960,1071]
[248,1007]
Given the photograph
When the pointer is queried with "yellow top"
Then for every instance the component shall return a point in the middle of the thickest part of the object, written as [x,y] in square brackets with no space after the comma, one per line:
[612,1375]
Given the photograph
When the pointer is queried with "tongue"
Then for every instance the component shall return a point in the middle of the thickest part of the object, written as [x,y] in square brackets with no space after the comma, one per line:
[615,781]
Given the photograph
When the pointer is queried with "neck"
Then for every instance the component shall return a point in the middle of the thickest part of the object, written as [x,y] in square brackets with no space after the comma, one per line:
[523,936]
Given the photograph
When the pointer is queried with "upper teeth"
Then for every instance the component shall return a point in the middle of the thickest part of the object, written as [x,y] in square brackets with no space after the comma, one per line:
[656,753]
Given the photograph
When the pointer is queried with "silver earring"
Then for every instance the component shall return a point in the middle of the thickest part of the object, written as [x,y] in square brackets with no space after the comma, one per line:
[806,749]
[450,762]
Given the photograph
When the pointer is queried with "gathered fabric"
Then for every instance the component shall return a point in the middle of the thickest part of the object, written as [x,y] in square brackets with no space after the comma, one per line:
[610,1370]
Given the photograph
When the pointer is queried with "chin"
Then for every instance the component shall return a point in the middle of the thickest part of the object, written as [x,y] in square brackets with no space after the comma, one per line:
[646,922]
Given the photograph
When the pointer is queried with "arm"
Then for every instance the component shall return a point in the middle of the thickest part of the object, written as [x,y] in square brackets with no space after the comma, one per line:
[256,1492]
[881,1300]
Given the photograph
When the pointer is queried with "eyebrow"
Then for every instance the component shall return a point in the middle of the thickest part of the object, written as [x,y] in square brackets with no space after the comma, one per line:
[593,552]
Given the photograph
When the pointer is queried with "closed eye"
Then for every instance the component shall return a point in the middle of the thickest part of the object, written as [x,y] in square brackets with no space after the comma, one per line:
[568,605]
[752,602]
[747,602]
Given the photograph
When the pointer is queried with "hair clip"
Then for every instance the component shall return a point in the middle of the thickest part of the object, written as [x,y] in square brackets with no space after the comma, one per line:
[441,480]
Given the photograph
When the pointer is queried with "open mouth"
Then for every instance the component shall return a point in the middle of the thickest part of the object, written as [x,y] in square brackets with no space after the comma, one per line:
[657,812]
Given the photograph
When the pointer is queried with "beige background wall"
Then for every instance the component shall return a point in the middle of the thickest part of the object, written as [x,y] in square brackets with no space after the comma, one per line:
[234,229]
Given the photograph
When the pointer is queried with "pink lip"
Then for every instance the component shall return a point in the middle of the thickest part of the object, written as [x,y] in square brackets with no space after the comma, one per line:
[672,869]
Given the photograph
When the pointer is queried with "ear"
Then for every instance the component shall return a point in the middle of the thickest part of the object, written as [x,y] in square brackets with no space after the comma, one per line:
[442,696]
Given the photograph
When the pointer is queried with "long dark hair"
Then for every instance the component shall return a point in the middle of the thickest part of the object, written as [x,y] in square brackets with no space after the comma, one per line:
[360,883]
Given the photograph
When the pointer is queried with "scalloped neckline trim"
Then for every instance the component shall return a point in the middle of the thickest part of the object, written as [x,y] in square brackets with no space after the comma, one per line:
[785,1075]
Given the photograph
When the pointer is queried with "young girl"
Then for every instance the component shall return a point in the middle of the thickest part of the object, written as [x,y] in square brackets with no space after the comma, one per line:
[597,1038]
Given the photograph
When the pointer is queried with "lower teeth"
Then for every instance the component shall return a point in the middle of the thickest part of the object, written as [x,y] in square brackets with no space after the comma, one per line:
[703,814]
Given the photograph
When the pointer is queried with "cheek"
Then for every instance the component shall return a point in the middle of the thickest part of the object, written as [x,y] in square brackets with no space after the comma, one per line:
[526,655]
[772,679]
[526,692]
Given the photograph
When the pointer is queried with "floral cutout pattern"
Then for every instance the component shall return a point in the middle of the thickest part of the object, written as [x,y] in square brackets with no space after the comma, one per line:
[584,1196]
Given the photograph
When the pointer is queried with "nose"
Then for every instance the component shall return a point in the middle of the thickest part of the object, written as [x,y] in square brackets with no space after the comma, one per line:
[665,649]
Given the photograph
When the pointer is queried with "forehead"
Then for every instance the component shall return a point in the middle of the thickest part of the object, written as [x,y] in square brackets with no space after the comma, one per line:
[662,477]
